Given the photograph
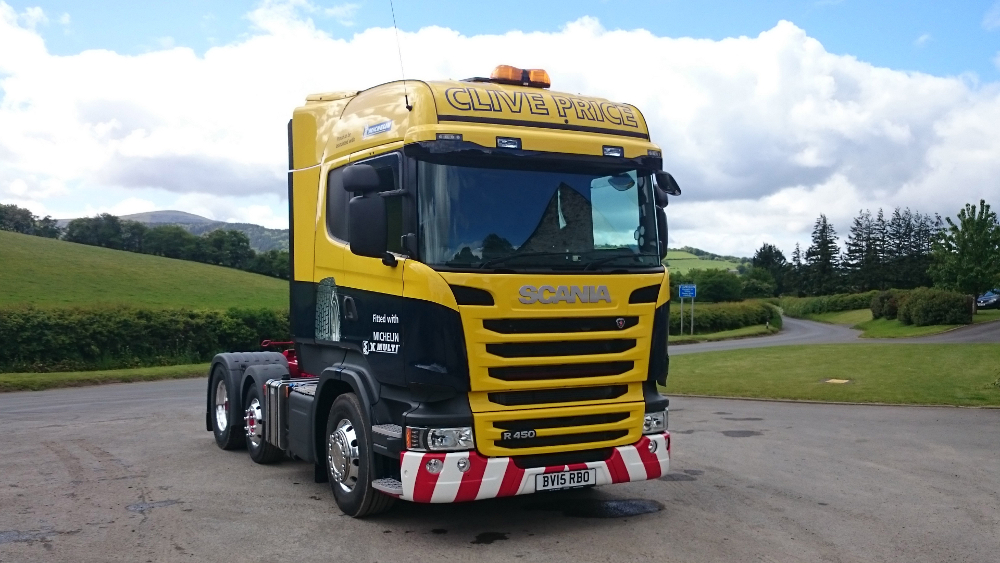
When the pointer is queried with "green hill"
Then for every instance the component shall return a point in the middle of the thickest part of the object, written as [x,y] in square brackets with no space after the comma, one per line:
[53,273]
[681,261]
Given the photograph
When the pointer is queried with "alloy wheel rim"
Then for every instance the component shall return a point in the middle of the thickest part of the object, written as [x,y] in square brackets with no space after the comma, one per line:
[221,406]
[254,423]
[342,457]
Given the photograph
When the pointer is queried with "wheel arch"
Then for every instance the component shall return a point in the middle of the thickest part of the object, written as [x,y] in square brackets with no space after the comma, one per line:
[333,383]
[234,366]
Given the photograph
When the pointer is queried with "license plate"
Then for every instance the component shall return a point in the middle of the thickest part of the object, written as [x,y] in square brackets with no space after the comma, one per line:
[565,479]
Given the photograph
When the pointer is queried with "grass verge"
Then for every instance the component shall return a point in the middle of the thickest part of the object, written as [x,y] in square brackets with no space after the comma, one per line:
[745,332]
[861,319]
[41,381]
[922,374]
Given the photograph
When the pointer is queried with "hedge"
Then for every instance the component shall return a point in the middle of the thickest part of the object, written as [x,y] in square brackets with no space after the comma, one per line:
[801,307]
[924,307]
[74,339]
[715,317]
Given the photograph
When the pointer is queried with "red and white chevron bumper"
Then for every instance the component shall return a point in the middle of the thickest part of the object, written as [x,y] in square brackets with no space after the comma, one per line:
[491,477]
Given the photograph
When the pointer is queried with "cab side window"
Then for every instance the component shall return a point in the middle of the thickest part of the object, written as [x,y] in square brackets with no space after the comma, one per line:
[389,169]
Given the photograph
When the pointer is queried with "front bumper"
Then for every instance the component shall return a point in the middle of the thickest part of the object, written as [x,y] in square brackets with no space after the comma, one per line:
[492,477]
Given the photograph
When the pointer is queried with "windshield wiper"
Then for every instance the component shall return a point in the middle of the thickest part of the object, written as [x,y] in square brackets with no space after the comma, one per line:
[503,259]
[602,261]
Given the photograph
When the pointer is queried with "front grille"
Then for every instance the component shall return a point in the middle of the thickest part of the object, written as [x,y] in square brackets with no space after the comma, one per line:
[562,458]
[563,440]
[561,371]
[561,421]
[568,395]
[556,325]
[563,348]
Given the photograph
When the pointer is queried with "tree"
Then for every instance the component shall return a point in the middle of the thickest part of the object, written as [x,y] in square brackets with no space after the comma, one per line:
[716,285]
[16,219]
[770,258]
[758,282]
[863,259]
[795,274]
[822,259]
[47,227]
[966,255]
[103,230]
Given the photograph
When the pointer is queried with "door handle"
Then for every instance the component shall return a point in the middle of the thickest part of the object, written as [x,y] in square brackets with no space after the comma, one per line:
[350,309]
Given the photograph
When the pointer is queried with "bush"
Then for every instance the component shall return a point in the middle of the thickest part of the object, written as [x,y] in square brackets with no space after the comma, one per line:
[76,339]
[722,316]
[714,286]
[800,307]
[924,307]
[885,304]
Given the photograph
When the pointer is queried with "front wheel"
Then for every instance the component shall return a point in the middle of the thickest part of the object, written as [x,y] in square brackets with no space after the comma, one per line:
[225,422]
[349,460]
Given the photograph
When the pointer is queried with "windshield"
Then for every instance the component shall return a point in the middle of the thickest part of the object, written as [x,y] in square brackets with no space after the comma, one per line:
[549,218]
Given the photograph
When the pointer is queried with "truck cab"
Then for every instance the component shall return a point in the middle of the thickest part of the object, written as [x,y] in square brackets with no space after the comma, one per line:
[478,306]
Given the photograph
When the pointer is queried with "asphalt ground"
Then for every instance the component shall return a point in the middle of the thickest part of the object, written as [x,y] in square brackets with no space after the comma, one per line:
[128,473]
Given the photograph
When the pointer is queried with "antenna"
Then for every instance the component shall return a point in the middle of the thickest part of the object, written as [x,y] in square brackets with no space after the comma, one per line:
[399,51]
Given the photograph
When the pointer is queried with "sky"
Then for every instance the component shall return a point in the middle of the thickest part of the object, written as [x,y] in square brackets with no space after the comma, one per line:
[769,113]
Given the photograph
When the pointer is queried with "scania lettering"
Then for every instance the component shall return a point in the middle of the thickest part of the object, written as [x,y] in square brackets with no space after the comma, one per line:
[478,303]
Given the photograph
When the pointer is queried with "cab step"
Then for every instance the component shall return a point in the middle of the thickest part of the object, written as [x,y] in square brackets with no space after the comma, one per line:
[388,486]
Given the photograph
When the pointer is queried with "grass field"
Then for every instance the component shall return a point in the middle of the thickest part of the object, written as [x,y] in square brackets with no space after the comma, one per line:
[41,381]
[932,374]
[52,273]
[861,319]
[680,262]
[745,332]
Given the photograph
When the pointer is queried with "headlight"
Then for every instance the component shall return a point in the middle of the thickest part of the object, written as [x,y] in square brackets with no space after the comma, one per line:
[654,422]
[440,439]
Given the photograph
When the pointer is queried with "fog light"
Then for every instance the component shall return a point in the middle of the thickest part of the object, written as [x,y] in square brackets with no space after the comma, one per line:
[652,446]
[463,464]
[434,466]
[654,422]
[449,137]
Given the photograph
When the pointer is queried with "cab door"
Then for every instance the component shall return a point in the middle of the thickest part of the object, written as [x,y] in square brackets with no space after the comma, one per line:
[369,292]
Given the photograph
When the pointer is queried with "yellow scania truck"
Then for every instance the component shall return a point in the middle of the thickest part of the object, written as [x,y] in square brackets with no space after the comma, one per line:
[478,304]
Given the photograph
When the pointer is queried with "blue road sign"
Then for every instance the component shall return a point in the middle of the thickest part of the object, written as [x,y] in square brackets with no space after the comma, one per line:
[686,291]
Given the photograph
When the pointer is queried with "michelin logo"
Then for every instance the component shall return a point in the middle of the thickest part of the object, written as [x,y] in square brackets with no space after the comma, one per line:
[378,348]
[378,128]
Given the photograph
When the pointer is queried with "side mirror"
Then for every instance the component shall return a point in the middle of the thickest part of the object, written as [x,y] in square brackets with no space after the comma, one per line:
[661,231]
[360,178]
[664,185]
[366,222]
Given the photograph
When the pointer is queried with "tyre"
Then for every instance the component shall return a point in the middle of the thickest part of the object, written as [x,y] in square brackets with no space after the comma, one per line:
[350,461]
[226,424]
[261,451]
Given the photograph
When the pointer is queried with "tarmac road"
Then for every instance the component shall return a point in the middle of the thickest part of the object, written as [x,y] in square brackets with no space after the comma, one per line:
[127,473]
[798,331]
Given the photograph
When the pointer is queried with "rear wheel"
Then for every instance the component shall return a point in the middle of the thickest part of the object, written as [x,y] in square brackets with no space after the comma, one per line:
[226,425]
[261,451]
[349,460]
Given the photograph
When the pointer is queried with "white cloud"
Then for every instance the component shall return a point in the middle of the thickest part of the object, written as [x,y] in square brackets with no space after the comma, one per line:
[33,16]
[64,19]
[764,133]
[991,20]
[343,13]
[922,40]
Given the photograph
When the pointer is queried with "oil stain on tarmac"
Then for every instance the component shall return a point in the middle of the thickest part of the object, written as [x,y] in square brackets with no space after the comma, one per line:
[741,433]
[486,538]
